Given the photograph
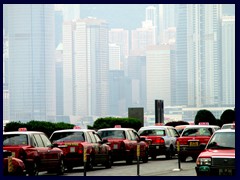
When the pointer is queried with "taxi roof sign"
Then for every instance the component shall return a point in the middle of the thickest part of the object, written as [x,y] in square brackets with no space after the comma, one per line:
[159,124]
[203,123]
[22,129]
[117,126]
[76,127]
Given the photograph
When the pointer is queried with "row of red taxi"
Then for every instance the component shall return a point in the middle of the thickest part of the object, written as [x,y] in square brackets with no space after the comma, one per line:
[70,148]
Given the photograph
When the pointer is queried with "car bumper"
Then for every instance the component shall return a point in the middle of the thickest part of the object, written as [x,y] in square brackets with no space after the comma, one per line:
[214,171]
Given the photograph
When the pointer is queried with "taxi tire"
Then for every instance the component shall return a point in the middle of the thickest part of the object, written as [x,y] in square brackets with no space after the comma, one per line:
[145,157]
[108,163]
[90,163]
[34,170]
[61,168]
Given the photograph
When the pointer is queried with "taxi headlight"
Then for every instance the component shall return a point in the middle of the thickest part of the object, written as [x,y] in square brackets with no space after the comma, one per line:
[204,161]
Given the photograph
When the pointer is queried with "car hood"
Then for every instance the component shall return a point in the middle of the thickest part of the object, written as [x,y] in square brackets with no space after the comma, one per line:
[218,152]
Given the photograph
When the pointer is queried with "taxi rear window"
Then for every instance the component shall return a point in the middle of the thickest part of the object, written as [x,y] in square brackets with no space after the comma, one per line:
[67,136]
[198,132]
[153,132]
[113,134]
[15,139]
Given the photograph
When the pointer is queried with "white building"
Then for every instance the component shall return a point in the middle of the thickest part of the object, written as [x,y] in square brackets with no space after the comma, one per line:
[158,80]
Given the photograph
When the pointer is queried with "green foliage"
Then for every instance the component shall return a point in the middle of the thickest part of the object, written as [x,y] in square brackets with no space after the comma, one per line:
[110,122]
[176,123]
[205,116]
[228,116]
[43,126]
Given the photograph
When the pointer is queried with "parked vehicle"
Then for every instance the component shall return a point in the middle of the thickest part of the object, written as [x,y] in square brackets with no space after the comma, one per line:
[12,166]
[228,126]
[73,141]
[163,140]
[35,150]
[218,156]
[123,142]
[191,138]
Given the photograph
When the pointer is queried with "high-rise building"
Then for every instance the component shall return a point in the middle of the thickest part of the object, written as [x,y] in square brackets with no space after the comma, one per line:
[167,19]
[158,76]
[198,49]
[142,38]
[85,67]
[151,15]
[31,62]
[114,57]
[137,74]
[228,60]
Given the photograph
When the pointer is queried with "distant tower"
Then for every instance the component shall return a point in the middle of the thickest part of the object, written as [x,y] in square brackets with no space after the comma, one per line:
[151,15]
[31,62]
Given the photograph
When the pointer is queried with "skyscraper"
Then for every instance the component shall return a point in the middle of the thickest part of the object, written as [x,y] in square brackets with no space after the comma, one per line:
[85,67]
[31,62]
[228,60]
[198,52]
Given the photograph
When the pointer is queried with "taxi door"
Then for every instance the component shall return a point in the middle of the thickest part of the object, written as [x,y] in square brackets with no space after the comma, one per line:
[47,155]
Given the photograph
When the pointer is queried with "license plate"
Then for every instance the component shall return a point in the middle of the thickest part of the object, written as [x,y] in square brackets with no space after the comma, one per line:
[157,147]
[225,172]
[115,146]
[193,143]
[72,149]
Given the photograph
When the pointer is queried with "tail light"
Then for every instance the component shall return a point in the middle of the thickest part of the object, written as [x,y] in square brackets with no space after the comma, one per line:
[160,141]
[80,149]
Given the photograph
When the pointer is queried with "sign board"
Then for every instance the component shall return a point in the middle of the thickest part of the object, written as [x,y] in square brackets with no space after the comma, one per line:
[203,123]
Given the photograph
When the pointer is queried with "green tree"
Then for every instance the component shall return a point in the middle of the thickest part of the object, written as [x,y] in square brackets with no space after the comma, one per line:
[205,116]
[228,116]
[176,123]
[110,122]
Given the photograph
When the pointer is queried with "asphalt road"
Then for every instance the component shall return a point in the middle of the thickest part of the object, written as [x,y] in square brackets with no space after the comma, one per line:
[158,167]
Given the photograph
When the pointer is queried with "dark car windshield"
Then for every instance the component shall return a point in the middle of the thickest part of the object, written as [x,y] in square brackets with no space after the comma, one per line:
[67,136]
[152,132]
[222,140]
[15,139]
[112,134]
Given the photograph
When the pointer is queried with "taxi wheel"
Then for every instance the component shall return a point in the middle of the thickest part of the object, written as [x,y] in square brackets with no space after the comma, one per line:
[90,163]
[145,158]
[182,158]
[169,153]
[129,159]
[153,157]
[61,168]
[69,168]
[108,163]
[34,170]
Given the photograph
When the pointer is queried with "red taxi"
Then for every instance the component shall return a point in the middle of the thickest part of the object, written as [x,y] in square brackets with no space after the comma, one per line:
[191,137]
[123,142]
[35,150]
[218,156]
[73,141]
[12,166]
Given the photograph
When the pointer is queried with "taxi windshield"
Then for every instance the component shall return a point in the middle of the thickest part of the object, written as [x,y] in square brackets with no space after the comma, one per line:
[68,136]
[15,139]
[223,140]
